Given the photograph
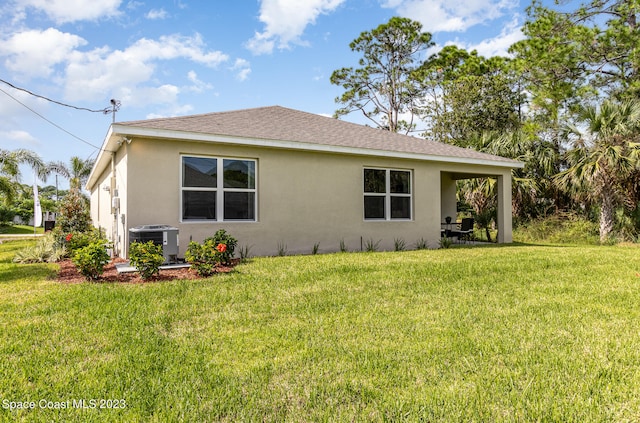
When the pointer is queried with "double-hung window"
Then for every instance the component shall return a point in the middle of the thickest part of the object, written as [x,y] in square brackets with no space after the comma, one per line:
[218,189]
[387,194]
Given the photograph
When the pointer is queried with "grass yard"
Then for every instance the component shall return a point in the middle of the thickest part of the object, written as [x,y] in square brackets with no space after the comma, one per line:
[19,230]
[516,333]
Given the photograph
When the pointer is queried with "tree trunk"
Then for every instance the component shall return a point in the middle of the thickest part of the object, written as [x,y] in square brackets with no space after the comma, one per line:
[607,211]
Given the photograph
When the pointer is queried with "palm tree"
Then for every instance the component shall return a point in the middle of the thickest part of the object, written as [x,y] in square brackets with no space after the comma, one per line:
[604,155]
[77,173]
[10,162]
[528,184]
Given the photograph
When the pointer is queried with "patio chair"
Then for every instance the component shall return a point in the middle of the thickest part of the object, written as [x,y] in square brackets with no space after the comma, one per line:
[466,230]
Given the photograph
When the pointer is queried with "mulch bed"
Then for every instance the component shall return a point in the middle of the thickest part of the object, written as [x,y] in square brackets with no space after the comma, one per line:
[68,273]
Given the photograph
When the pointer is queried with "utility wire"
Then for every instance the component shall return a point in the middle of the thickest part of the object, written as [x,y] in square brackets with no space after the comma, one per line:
[50,122]
[106,110]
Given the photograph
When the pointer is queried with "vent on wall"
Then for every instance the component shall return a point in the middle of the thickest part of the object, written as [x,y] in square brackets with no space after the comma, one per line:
[164,235]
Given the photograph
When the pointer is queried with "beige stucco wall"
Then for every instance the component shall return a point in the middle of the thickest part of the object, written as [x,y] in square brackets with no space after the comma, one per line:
[303,198]
[102,213]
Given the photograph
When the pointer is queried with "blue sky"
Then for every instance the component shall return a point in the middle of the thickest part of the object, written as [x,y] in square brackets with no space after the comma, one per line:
[171,58]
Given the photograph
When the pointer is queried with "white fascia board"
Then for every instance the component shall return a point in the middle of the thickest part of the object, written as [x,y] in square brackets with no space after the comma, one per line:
[304,146]
[100,159]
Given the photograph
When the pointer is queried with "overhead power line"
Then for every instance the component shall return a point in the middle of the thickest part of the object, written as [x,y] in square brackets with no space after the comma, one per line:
[105,111]
[49,121]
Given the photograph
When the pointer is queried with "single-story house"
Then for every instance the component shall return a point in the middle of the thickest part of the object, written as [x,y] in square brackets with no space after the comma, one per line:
[280,179]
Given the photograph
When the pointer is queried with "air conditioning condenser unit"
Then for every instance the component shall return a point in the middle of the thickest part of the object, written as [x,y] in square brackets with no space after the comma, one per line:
[164,235]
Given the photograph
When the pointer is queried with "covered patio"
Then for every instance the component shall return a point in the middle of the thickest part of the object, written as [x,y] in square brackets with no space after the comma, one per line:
[453,227]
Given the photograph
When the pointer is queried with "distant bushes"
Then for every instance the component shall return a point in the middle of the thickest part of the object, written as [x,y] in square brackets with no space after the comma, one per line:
[558,229]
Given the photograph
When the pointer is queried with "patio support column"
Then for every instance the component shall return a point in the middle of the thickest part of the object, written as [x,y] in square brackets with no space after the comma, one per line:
[505,227]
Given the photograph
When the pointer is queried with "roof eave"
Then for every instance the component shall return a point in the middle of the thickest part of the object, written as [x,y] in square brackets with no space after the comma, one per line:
[125,130]
[109,147]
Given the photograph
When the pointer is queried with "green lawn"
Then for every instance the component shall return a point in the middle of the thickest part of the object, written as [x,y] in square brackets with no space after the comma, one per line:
[517,333]
[19,230]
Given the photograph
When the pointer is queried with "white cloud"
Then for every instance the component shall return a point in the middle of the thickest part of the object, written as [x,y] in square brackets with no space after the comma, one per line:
[155,14]
[19,136]
[140,96]
[92,74]
[499,46]
[178,110]
[243,68]
[197,86]
[285,22]
[34,53]
[14,104]
[448,15]
[64,11]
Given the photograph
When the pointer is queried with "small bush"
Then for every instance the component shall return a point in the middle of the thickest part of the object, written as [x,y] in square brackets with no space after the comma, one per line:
[72,241]
[282,249]
[90,260]
[446,242]
[371,246]
[146,257]
[45,250]
[399,244]
[205,257]
[221,237]
[245,252]
[6,215]
[421,244]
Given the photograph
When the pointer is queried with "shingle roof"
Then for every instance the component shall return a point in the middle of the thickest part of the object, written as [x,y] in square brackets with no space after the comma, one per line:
[282,124]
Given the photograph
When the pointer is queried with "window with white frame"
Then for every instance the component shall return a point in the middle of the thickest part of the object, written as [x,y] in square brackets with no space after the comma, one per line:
[219,189]
[387,194]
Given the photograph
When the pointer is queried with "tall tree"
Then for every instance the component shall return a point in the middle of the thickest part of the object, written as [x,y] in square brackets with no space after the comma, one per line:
[612,46]
[77,172]
[384,88]
[551,61]
[603,157]
[466,94]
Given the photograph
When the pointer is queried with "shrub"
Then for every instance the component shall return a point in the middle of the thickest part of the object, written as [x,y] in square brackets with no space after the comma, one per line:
[6,215]
[90,260]
[371,246]
[215,250]
[73,216]
[446,242]
[560,229]
[45,250]
[205,257]
[245,252]
[421,244]
[72,241]
[222,238]
[146,257]
[282,249]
